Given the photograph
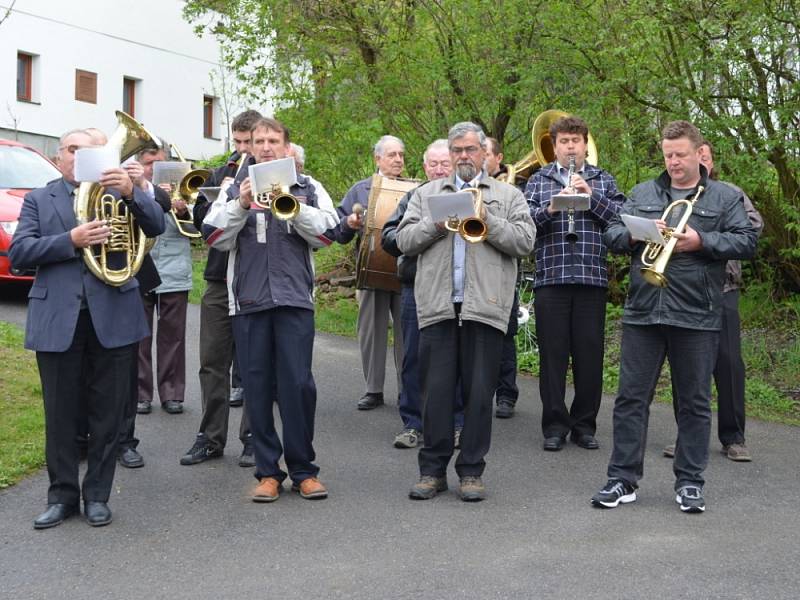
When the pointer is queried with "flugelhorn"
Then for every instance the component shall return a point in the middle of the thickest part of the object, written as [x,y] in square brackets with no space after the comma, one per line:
[187,190]
[472,229]
[127,244]
[655,256]
[279,202]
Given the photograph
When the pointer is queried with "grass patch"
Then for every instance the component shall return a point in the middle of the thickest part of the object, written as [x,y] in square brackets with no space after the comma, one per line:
[22,424]
[199,258]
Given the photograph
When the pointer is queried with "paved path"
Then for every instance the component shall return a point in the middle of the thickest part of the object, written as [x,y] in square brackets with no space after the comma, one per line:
[191,532]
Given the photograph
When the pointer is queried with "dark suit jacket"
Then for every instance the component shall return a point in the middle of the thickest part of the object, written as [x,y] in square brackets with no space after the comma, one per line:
[148,274]
[42,240]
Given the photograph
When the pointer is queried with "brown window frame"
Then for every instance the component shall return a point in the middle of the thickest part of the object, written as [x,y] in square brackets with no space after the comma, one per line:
[208,116]
[27,92]
[129,94]
[81,94]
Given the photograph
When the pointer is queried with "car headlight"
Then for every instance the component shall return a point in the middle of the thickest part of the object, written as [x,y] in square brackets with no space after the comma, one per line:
[9,226]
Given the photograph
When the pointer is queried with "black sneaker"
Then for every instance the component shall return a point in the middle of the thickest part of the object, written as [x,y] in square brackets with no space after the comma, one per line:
[200,452]
[505,408]
[614,492]
[690,497]
[247,458]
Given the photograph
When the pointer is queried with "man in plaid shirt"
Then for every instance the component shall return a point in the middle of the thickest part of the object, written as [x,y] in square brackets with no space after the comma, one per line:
[571,285]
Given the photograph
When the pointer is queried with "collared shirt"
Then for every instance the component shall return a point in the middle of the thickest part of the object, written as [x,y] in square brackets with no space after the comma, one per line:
[460,247]
[563,172]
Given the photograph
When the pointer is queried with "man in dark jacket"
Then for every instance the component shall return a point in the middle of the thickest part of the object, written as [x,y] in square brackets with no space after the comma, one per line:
[680,321]
[216,337]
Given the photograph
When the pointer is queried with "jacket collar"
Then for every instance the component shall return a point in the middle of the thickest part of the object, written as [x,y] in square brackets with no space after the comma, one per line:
[62,202]
[550,171]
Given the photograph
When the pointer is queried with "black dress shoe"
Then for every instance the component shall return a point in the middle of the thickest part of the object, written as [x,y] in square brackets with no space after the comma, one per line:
[237,397]
[172,407]
[554,444]
[584,440]
[97,513]
[130,458]
[370,400]
[54,515]
[505,408]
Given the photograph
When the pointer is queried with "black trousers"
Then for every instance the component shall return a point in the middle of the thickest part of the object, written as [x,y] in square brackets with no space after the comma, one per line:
[127,429]
[570,322]
[274,348]
[507,383]
[101,398]
[449,352]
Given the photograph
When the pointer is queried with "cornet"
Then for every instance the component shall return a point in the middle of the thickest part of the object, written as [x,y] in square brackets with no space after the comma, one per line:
[279,202]
[655,256]
[472,229]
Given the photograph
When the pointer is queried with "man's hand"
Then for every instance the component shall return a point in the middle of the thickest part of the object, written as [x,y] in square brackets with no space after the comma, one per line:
[136,172]
[167,187]
[117,179]
[179,206]
[89,234]
[355,220]
[245,194]
[579,185]
[688,241]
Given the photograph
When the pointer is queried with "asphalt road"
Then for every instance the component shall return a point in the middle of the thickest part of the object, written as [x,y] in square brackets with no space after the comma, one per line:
[192,532]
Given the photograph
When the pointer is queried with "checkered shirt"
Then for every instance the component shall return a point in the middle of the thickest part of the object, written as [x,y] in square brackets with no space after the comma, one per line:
[557,261]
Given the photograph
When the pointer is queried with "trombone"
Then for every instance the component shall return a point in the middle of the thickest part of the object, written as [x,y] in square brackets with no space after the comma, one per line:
[187,189]
[655,256]
[472,229]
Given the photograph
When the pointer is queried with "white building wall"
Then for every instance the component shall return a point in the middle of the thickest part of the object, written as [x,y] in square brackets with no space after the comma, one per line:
[146,40]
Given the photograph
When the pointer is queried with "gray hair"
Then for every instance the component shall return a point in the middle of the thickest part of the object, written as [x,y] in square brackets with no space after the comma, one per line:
[459,130]
[65,135]
[440,144]
[299,153]
[380,146]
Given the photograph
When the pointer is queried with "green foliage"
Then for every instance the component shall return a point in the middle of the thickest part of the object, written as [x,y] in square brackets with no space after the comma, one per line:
[22,425]
[213,162]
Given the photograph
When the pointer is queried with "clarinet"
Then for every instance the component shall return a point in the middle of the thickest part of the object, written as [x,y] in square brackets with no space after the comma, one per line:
[571,235]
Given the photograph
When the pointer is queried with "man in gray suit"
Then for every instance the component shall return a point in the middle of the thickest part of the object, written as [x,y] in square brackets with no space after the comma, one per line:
[75,319]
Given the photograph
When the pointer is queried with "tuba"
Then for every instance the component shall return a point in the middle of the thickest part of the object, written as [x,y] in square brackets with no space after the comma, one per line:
[472,229]
[279,201]
[543,151]
[187,189]
[655,256]
[117,260]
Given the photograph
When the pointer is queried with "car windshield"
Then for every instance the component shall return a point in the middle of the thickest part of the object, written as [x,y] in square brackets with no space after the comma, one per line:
[23,168]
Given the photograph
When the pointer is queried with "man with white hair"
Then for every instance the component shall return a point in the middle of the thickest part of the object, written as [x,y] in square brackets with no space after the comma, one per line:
[374,306]
[298,153]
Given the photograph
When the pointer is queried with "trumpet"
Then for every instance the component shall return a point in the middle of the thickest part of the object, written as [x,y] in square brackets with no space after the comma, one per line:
[655,256]
[472,229]
[187,189]
[279,202]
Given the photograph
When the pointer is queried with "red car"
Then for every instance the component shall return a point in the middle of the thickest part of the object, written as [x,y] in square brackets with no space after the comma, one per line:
[21,169]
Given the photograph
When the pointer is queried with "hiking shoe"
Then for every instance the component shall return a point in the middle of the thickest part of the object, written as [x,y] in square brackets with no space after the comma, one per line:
[311,489]
[267,490]
[457,438]
[408,438]
[201,451]
[614,493]
[472,489]
[505,408]
[247,458]
[690,497]
[737,452]
[669,451]
[427,487]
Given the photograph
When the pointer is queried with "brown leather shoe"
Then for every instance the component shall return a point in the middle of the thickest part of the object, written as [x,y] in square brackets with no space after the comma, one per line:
[737,452]
[311,489]
[267,490]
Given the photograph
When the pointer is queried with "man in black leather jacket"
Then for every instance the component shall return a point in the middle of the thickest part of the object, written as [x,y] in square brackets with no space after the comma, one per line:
[680,321]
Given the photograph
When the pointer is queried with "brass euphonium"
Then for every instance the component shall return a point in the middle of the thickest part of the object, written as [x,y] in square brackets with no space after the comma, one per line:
[655,256]
[472,229]
[187,190]
[117,260]
[279,202]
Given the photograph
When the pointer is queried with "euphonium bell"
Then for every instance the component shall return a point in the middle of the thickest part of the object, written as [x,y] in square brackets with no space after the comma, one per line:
[279,202]
[472,229]
[655,257]
[117,260]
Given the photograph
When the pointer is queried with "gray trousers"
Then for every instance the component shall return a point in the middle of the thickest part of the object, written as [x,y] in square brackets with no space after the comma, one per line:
[216,355]
[374,307]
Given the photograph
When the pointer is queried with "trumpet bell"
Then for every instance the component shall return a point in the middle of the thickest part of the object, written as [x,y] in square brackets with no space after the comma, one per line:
[653,277]
[285,207]
[473,230]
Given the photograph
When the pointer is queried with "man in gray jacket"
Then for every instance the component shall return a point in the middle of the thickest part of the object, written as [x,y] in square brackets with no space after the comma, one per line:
[680,321]
[464,294]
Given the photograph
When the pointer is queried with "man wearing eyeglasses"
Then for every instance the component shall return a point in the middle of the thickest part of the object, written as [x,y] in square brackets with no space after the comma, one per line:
[74,318]
[464,294]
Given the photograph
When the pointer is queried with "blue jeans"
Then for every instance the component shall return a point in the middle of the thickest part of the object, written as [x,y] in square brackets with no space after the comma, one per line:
[692,354]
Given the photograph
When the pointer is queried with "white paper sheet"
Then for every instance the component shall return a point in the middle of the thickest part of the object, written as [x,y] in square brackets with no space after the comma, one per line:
[171,172]
[643,229]
[263,176]
[211,193]
[91,162]
[448,206]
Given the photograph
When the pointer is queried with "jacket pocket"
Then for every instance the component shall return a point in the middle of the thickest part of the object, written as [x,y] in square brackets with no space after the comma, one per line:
[704,219]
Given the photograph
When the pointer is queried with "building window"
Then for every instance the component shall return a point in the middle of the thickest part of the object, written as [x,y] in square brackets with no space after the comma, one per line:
[129,96]
[24,77]
[209,106]
[85,86]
